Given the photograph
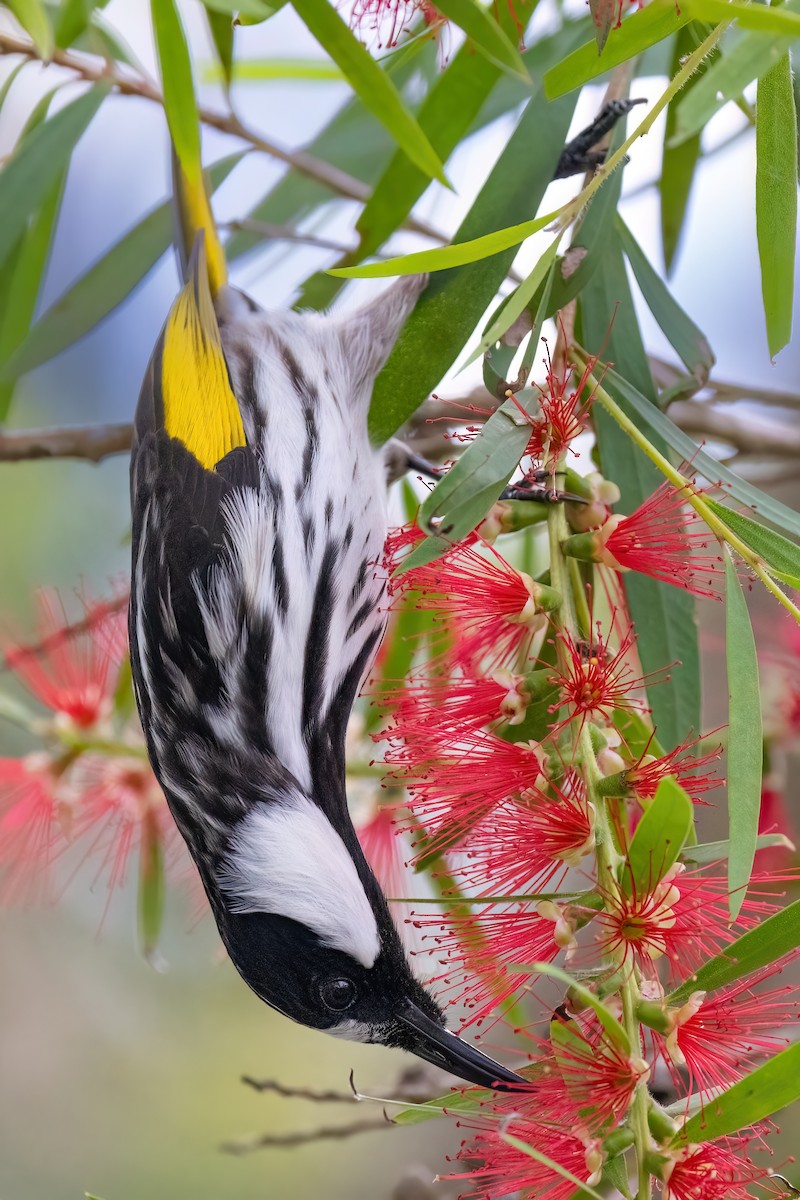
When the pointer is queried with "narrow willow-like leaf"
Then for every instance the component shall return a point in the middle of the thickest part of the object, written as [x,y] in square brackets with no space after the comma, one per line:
[605,1016]
[781,556]
[258,70]
[688,342]
[220,26]
[515,304]
[664,616]
[678,163]
[726,78]
[176,79]
[760,1094]
[709,852]
[104,286]
[74,17]
[253,11]
[645,27]
[745,745]
[776,198]
[454,301]
[453,1102]
[481,28]
[31,172]
[636,734]
[659,838]
[764,944]
[32,16]
[376,90]
[151,889]
[756,16]
[633,402]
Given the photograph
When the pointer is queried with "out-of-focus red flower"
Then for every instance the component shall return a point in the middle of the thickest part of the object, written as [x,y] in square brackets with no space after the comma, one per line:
[681,764]
[505,1170]
[719,1170]
[29,827]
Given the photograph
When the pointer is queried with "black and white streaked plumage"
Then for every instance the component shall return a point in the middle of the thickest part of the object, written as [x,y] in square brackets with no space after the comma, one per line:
[257,606]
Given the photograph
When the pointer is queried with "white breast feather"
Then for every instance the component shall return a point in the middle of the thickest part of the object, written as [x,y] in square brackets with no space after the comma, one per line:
[288,859]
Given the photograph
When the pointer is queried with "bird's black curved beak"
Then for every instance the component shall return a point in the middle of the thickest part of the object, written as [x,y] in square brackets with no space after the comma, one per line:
[436,1044]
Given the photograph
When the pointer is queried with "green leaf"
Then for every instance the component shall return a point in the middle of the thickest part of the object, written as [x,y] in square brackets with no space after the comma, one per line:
[104,286]
[745,746]
[464,495]
[376,90]
[73,20]
[781,556]
[776,198]
[686,339]
[637,32]
[757,948]
[763,1092]
[515,304]
[614,1031]
[637,735]
[709,852]
[679,162]
[254,11]
[176,80]
[453,1102]
[555,1167]
[220,27]
[32,16]
[454,302]
[726,78]
[481,28]
[664,616]
[756,16]
[633,402]
[151,889]
[252,70]
[659,838]
[33,170]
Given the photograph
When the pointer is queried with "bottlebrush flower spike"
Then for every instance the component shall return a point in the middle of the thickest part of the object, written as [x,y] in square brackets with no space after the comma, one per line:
[563,413]
[493,609]
[597,1078]
[683,917]
[460,702]
[526,847]
[718,1170]
[72,674]
[644,776]
[29,828]
[505,1171]
[455,780]
[664,538]
[716,1038]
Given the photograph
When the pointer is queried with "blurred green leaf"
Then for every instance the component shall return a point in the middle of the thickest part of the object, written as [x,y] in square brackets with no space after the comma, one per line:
[542,276]
[643,28]
[483,30]
[151,887]
[709,852]
[8,82]
[688,342]
[745,745]
[614,1031]
[253,11]
[664,616]
[453,1102]
[633,402]
[454,301]
[104,286]
[32,16]
[760,946]
[763,1092]
[781,556]
[678,163]
[776,198]
[73,19]
[29,176]
[176,80]
[257,70]
[659,838]
[637,736]
[220,27]
[726,78]
[756,16]
[369,82]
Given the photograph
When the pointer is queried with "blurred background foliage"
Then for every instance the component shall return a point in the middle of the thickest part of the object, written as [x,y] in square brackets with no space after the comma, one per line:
[119,1079]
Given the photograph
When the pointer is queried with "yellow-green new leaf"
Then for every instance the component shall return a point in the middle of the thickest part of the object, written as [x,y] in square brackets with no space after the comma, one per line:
[479,25]
[373,86]
[659,838]
[745,746]
[176,79]
[32,16]
[776,197]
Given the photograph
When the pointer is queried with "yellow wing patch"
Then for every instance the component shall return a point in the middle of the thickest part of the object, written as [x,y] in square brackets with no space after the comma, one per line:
[200,408]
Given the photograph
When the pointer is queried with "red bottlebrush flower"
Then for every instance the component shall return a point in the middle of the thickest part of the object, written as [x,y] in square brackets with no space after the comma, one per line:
[457,703]
[563,413]
[399,539]
[597,1079]
[71,673]
[455,780]
[525,847]
[385,18]
[667,540]
[117,799]
[684,917]
[646,773]
[718,1170]
[597,680]
[492,609]
[505,1171]
[28,824]
[713,1037]
[479,950]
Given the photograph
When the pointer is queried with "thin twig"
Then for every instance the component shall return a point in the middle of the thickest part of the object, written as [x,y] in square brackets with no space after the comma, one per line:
[73,629]
[263,1141]
[284,233]
[90,442]
[298,1093]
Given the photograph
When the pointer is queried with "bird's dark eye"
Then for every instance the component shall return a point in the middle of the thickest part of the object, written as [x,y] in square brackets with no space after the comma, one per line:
[337,994]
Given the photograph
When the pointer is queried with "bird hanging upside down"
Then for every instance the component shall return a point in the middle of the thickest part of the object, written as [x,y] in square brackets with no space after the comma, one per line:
[257,607]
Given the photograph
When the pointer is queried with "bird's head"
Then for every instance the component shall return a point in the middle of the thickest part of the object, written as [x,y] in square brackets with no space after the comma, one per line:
[309,930]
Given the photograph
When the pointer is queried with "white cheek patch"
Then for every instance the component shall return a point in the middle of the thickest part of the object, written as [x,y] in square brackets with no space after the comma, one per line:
[286,858]
[353,1031]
